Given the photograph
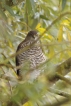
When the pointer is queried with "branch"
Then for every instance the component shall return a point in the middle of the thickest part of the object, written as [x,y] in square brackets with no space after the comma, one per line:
[60,70]
[59,92]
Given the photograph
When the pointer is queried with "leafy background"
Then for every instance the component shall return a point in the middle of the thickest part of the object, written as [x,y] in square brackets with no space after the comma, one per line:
[52,19]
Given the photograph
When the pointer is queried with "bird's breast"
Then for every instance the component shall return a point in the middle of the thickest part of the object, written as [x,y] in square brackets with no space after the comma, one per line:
[34,55]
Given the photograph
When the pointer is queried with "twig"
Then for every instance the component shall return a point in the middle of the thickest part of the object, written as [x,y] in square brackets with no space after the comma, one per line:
[59,92]
[63,78]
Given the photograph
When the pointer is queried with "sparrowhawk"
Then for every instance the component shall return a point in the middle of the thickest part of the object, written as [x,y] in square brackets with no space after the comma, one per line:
[33,54]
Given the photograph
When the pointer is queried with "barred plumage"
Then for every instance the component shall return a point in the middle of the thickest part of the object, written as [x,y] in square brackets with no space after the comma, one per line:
[34,54]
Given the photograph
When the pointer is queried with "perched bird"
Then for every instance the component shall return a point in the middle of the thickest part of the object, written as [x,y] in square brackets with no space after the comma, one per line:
[33,54]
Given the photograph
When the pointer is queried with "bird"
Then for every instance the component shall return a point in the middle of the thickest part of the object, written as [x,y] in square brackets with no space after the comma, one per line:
[33,54]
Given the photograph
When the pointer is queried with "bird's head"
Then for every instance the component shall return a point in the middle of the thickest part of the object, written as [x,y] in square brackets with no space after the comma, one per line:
[32,35]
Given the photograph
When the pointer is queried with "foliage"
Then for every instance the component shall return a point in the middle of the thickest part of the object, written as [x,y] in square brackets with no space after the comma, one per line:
[52,20]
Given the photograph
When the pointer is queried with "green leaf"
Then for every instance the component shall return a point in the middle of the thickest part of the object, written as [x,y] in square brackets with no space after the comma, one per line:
[63,4]
[33,5]
[30,6]
[43,17]
[9,10]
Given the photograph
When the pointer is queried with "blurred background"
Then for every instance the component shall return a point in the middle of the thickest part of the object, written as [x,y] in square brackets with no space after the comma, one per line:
[52,20]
